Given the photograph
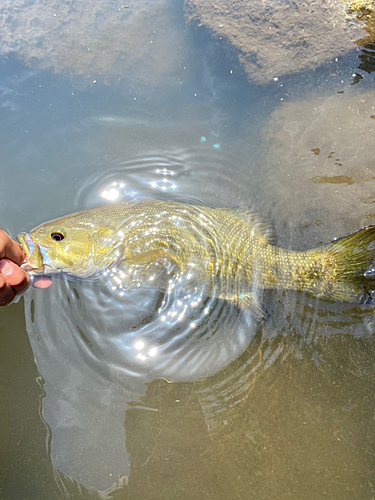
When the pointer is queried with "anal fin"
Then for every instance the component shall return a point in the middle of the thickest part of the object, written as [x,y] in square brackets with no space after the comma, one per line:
[248,302]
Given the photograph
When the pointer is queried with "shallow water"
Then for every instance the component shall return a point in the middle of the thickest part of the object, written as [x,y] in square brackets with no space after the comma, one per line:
[183,396]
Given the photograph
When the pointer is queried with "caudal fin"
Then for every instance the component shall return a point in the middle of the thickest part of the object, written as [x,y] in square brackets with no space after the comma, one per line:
[355,260]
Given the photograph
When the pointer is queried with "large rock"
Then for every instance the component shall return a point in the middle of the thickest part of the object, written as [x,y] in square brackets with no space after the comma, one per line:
[320,160]
[365,10]
[109,40]
[277,37]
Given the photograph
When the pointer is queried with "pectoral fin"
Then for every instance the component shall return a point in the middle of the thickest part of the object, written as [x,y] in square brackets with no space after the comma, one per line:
[146,258]
[146,270]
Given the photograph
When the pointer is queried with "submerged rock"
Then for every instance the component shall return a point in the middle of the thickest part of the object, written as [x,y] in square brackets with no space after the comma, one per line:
[320,160]
[141,43]
[365,11]
[277,37]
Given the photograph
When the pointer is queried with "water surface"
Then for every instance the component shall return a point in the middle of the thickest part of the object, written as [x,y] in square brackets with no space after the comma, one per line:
[182,396]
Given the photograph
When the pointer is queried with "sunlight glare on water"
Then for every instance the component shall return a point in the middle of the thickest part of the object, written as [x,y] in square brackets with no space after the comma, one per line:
[121,332]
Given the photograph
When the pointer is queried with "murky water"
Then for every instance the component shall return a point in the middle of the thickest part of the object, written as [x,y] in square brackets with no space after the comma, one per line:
[182,396]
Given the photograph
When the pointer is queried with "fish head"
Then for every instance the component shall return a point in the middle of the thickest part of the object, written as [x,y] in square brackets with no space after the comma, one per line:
[72,246]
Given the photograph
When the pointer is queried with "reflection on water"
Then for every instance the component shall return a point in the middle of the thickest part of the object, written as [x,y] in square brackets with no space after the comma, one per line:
[103,345]
[124,329]
[179,395]
[260,435]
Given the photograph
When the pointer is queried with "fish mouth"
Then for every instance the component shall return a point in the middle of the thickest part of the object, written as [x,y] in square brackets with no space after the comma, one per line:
[35,257]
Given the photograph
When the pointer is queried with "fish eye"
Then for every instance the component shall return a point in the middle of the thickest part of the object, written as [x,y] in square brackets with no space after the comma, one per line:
[57,236]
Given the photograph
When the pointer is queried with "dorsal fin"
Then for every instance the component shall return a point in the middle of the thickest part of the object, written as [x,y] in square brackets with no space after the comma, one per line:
[263,226]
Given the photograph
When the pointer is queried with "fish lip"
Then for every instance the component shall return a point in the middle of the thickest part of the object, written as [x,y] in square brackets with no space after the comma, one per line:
[36,270]
[31,248]
[27,244]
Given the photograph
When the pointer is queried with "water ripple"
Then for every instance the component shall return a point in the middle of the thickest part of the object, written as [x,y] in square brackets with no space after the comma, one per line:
[98,343]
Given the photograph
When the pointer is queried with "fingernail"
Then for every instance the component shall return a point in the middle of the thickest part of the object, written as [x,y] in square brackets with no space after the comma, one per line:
[6,267]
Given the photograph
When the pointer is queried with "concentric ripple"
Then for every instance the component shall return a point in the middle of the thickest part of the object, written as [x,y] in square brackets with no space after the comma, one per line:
[97,343]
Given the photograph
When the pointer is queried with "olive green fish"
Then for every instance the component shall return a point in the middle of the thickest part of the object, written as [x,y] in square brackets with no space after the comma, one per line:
[229,250]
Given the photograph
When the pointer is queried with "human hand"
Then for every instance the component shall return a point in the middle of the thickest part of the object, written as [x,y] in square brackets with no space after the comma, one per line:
[13,279]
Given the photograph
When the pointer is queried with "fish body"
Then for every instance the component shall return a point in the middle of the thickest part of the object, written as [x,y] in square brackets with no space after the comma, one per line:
[230,250]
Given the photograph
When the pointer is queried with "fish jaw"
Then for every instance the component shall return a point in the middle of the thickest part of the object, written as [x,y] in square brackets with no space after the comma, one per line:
[34,262]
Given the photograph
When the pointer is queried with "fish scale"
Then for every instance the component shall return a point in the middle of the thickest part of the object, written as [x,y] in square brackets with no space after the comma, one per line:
[228,250]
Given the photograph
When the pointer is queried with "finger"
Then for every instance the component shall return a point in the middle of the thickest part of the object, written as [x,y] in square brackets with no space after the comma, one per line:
[7,293]
[10,249]
[14,275]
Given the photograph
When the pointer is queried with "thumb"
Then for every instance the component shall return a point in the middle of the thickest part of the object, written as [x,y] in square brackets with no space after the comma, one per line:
[10,249]
[17,278]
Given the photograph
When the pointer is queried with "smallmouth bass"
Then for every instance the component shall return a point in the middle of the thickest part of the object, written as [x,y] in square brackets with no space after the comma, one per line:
[229,250]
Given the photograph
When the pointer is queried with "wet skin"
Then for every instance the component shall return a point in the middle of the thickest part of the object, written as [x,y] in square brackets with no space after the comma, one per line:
[13,279]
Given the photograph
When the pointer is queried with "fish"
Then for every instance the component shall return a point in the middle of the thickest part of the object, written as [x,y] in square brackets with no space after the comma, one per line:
[231,251]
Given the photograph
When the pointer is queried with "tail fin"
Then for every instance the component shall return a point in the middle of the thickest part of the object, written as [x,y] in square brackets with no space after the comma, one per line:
[355,259]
